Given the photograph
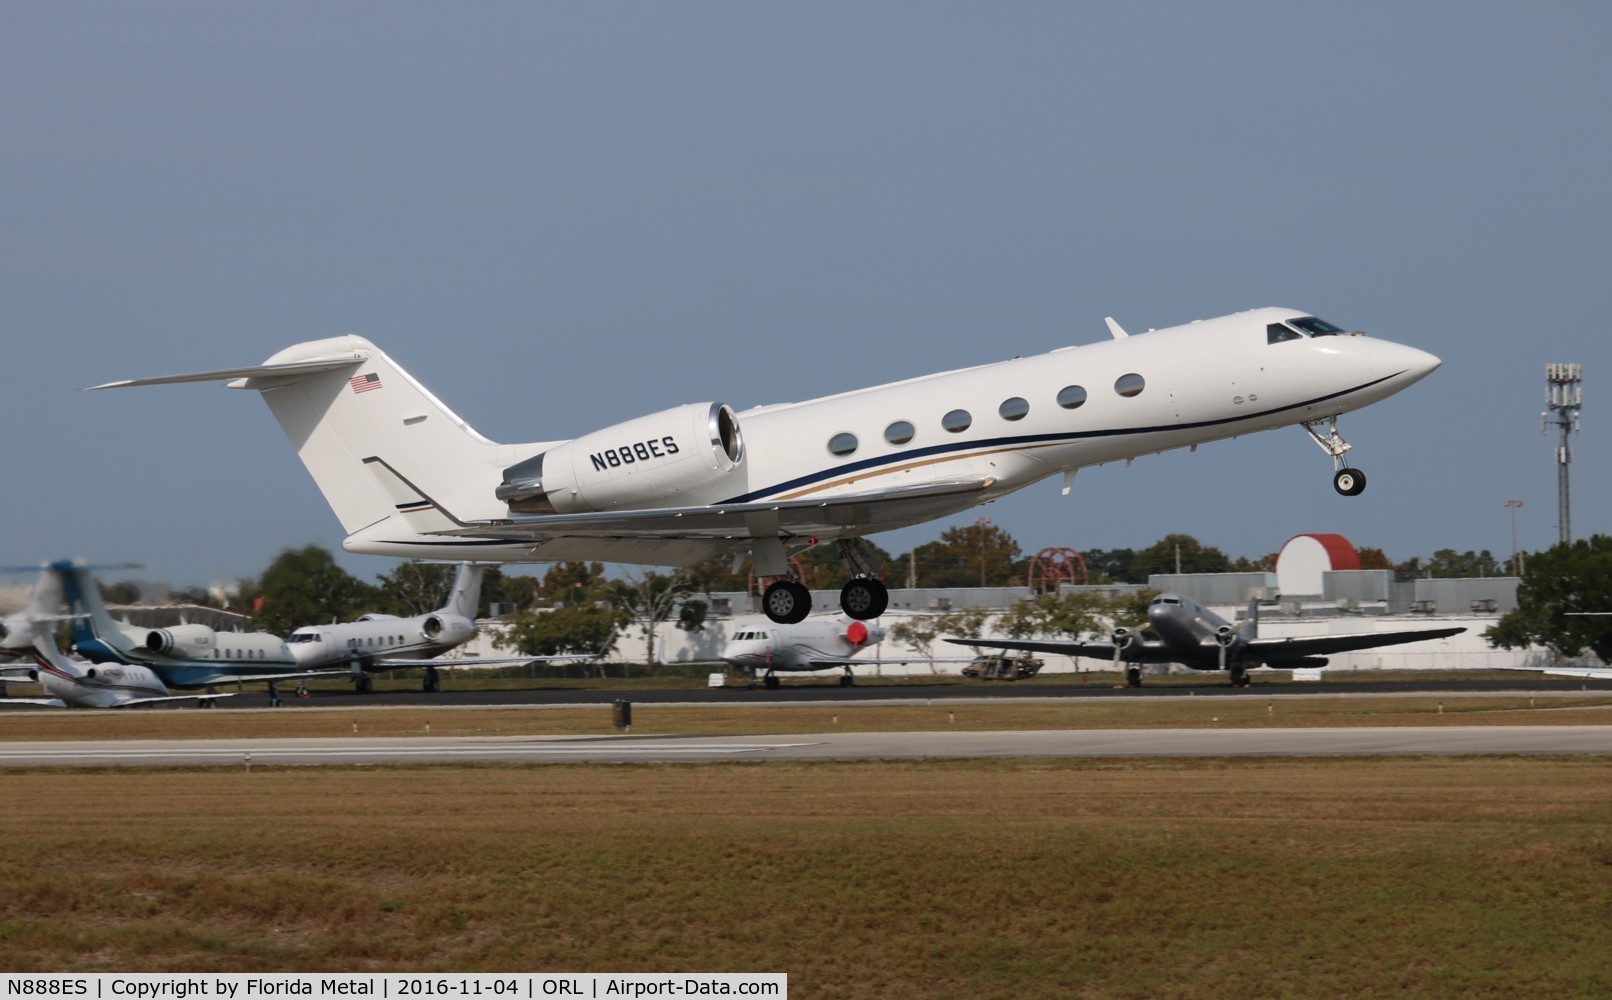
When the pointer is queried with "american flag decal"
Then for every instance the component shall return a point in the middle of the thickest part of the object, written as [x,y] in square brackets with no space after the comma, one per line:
[365,382]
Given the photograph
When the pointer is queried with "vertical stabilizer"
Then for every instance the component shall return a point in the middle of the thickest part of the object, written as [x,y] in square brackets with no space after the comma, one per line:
[95,632]
[466,596]
[1250,630]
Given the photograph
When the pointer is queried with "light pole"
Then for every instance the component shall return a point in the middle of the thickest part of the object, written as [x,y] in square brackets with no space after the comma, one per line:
[980,523]
[1513,506]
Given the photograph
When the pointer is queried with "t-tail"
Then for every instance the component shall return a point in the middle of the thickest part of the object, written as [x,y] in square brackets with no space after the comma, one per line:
[466,595]
[390,458]
[95,631]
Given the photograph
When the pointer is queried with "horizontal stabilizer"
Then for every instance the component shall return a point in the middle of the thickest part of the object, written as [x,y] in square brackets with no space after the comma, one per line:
[230,374]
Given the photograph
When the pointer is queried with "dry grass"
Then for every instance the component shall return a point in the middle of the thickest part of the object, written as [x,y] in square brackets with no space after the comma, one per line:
[1026,878]
[761,718]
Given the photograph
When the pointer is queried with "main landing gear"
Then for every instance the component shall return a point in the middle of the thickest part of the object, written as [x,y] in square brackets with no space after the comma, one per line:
[1347,481]
[788,601]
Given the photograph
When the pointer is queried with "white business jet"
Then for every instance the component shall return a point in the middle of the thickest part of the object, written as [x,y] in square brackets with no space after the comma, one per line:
[181,656]
[76,684]
[408,478]
[763,647]
[377,642]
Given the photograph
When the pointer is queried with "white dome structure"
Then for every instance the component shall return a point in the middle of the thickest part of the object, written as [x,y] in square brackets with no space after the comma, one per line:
[1305,557]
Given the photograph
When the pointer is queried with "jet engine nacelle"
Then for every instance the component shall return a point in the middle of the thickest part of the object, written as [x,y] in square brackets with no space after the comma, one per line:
[447,628]
[679,455]
[376,616]
[182,640]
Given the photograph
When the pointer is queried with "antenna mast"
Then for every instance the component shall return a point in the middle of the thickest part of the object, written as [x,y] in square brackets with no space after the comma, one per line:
[1563,399]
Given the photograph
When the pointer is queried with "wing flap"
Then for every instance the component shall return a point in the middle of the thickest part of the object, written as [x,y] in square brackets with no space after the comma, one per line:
[864,512]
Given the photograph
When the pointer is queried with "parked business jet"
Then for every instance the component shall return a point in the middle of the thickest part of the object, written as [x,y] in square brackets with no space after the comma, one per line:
[377,642]
[407,477]
[76,684]
[763,647]
[1192,635]
[181,656]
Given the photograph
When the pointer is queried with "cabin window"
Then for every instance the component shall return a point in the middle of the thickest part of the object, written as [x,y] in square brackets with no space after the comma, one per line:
[1129,385]
[957,421]
[1278,332]
[1014,408]
[1317,327]
[899,432]
[1070,397]
[842,444]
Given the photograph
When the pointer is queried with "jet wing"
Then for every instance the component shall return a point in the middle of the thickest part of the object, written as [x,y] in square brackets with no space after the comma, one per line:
[132,702]
[1276,650]
[46,702]
[864,512]
[395,663]
[1146,652]
[1591,673]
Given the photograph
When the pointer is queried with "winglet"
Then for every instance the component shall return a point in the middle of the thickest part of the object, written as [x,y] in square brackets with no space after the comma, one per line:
[1115,329]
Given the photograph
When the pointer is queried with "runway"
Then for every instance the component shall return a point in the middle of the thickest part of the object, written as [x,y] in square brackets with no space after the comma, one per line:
[1363,742]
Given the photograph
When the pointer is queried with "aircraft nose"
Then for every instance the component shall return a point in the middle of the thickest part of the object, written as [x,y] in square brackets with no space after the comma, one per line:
[1410,363]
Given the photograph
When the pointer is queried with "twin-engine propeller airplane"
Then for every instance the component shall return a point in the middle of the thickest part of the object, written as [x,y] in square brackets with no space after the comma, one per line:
[407,477]
[1192,635]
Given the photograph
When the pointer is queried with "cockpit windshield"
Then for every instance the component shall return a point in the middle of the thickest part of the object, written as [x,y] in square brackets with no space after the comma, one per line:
[1317,327]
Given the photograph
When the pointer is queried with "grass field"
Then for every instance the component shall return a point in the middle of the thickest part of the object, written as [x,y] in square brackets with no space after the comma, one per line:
[1017,878]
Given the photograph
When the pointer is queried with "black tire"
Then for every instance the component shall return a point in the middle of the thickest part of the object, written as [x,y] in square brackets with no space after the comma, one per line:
[364,684]
[433,682]
[846,680]
[787,602]
[770,682]
[864,598]
[1349,482]
[1133,677]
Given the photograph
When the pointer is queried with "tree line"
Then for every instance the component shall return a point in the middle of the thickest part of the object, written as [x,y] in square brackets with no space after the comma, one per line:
[575,607]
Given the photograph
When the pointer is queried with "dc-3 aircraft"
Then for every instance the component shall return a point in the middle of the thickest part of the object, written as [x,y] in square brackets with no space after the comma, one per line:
[377,642]
[409,478]
[1192,635]
[181,656]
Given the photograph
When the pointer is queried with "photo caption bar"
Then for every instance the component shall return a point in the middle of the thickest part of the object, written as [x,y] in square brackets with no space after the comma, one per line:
[392,985]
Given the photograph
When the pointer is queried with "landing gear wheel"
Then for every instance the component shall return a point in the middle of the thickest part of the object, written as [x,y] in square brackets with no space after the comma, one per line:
[770,682]
[787,602]
[864,598]
[433,681]
[1239,677]
[1133,677]
[847,680]
[364,684]
[1349,482]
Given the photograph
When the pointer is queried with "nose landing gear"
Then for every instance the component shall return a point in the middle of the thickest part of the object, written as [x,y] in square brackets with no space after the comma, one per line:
[1347,481]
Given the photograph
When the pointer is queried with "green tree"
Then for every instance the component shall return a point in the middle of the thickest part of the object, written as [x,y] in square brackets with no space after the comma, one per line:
[649,601]
[970,555]
[1191,555]
[414,587]
[583,628]
[1373,559]
[305,587]
[1111,565]
[575,583]
[1449,564]
[1560,585]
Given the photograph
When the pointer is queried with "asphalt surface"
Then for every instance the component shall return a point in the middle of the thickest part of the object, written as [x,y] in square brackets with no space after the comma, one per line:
[1364,742]
[807,692]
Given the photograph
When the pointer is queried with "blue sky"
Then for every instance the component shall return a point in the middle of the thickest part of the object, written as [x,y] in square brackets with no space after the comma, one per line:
[559,216]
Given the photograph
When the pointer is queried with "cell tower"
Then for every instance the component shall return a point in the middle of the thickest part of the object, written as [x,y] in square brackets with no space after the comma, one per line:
[1563,398]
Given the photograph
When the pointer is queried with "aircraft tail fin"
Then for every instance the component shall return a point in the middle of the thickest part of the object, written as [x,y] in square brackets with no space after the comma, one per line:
[466,596]
[1251,628]
[346,405]
[93,625]
[24,626]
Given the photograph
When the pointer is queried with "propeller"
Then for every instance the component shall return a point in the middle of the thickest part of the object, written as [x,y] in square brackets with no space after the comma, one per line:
[1225,637]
